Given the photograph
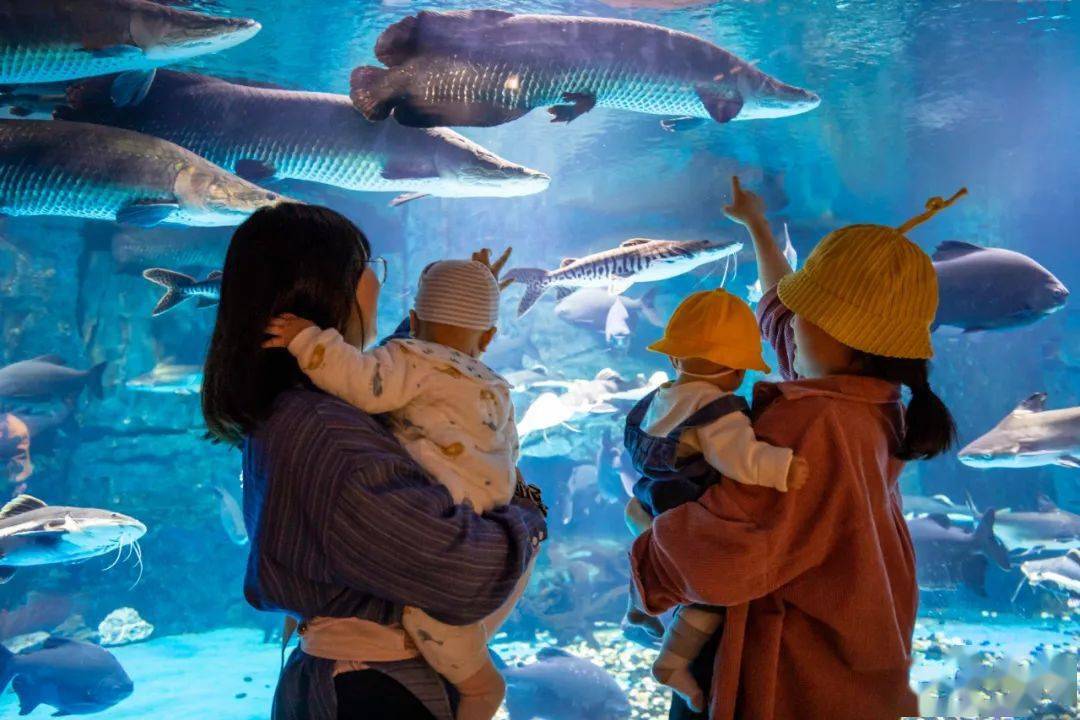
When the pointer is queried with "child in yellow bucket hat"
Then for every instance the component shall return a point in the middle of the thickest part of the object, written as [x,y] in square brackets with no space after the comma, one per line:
[688,433]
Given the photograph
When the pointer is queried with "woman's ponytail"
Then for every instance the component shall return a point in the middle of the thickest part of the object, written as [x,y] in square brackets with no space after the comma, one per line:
[929,426]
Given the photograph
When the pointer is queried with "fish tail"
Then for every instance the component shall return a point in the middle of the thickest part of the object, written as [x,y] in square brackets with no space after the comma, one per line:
[536,282]
[648,308]
[173,282]
[7,667]
[94,379]
[369,93]
[988,543]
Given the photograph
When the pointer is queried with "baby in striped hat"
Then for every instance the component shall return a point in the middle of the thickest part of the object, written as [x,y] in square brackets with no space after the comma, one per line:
[453,414]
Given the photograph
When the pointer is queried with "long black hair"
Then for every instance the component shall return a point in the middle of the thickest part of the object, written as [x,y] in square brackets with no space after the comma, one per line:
[929,426]
[289,257]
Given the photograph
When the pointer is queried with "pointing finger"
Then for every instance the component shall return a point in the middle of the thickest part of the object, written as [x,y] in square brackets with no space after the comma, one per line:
[497,266]
[736,186]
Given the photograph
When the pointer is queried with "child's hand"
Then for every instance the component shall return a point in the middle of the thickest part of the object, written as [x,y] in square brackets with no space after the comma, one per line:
[484,256]
[637,518]
[797,474]
[746,208]
[284,328]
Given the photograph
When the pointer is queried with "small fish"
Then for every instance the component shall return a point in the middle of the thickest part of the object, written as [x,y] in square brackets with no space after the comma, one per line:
[562,686]
[636,260]
[232,517]
[46,378]
[488,67]
[616,316]
[180,287]
[82,170]
[33,533]
[170,379]
[992,288]
[44,41]
[75,677]
[1029,436]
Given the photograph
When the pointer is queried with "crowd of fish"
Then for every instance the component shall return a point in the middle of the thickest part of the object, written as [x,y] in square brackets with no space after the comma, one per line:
[95,126]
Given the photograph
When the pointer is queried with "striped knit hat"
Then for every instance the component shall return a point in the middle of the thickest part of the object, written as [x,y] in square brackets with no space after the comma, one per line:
[463,293]
[871,288]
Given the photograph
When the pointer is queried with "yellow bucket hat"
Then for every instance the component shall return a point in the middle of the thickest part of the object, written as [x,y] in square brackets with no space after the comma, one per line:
[717,326]
[870,287]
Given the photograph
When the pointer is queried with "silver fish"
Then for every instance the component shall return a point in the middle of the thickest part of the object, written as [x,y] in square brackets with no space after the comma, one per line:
[170,379]
[232,517]
[47,378]
[265,134]
[562,686]
[170,246]
[1050,528]
[636,260]
[90,171]
[75,677]
[488,67]
[1061,574]
[33,533]
[1029,436]
[45,41]
[180,287]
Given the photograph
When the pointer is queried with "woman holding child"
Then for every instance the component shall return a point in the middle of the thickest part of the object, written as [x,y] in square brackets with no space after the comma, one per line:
[818,583]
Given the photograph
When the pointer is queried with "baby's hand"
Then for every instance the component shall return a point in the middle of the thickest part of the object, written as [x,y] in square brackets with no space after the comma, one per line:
[284,328]
[638,519]
[746,208]
[797,474]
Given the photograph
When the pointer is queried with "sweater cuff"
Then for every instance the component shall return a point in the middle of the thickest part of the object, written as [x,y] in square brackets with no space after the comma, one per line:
[774,467]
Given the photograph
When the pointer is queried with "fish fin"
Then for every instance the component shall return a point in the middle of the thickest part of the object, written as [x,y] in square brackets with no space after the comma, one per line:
[367,90]
[1034,404]
[553,652]
[618,285]
[943,499]
[1045,504]
[51,358]
[60,713]
[173,282]
[940,519]
[114,51]
[130,88]
[1074,555]
[29,695]
[147,213]
[580,103]
[255,170]
[55,641]
[561,293]
[567,261]
[1068,461]
[720,108]
[93,379]
[408,197]
[536,282]
[632,242]
[215,275]
[988,544]
[953,249]
[973,573]
[21,504]
[402,169]
[205,302]
[681,124]
[6,573]
[648,308]
[7,658]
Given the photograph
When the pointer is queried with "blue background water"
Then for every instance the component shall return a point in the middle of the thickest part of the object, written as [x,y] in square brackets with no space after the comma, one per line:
[918,99]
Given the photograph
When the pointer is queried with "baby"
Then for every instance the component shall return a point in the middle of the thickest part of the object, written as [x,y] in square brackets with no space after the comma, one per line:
[687,433]
[453,415]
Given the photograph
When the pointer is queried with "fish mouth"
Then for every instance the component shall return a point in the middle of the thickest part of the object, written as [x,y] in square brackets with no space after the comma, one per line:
[196,35]
[775,99]
[503,182]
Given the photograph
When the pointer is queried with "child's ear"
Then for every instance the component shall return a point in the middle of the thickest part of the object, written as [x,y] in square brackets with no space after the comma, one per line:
[487,337]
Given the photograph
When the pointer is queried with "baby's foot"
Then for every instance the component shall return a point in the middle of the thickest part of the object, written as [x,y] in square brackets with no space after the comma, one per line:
[651,624]
[682,681]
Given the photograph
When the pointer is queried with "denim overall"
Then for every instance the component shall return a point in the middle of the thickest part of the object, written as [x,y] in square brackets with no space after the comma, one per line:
[669,481]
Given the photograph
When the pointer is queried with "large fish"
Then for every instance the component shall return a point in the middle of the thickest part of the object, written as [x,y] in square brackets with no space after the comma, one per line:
[170,246]
[33,533]
[44,41]
[1060,575]
[488,67]
[90,171]
[75,677]
[616,316]
[636,260]
[1029,436]
[561,686]
[265,134]
[180,287]
[46,378]
[1049,528]
[993,288]
[946,555]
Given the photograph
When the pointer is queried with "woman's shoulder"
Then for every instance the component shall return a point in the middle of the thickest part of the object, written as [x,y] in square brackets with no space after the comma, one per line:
[840,406]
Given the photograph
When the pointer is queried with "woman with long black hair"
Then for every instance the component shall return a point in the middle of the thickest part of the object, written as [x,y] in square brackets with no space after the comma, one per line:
[345,528]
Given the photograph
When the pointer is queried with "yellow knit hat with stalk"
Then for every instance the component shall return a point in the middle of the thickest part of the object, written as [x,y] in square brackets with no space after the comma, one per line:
[717,326]
[870,287]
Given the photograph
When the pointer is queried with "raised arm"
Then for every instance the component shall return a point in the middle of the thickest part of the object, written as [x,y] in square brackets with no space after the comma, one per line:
[748,210]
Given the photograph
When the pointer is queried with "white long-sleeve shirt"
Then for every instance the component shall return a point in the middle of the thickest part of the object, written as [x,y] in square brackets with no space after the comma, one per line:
[451,412]
[728,443]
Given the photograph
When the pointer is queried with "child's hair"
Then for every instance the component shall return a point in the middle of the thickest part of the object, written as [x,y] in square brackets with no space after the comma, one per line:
[929,426]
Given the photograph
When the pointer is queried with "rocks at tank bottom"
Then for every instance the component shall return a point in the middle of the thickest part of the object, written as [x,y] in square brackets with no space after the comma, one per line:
[123,626]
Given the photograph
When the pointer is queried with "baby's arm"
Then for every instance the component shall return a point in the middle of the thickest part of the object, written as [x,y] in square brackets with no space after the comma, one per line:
[730,446]
[375,381]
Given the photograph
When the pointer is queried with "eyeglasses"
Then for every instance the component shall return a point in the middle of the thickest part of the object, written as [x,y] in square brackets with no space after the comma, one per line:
[378,266]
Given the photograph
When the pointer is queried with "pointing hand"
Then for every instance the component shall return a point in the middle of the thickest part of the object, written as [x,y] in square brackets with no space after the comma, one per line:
[746,208]
[484,256]
[283,329]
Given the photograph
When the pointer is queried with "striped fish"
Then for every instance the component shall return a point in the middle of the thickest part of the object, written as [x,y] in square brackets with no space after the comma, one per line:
[264,133]
[488,67]
[89,171]
[43,41]
[180,287]
[636,260]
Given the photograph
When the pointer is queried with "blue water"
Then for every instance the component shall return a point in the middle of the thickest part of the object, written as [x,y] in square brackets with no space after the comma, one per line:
[918,99]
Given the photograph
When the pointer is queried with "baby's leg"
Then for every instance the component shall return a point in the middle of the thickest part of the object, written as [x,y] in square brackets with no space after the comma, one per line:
[460,655]
[685,637]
